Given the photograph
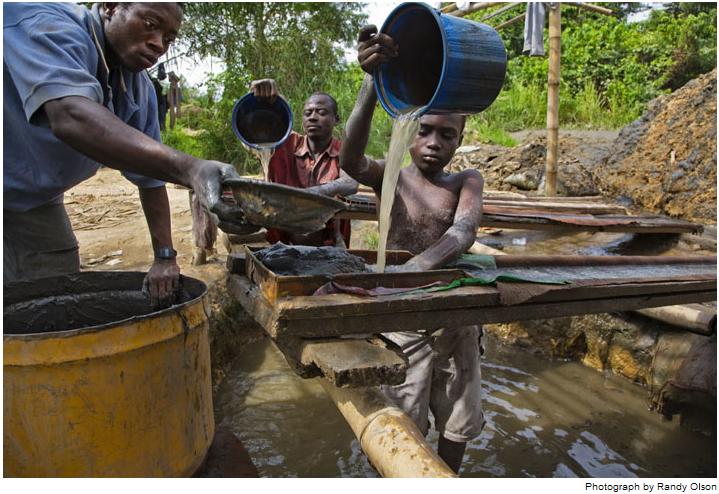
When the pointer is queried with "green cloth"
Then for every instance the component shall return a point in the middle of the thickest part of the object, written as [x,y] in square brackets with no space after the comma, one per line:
[475,261]
[472,281]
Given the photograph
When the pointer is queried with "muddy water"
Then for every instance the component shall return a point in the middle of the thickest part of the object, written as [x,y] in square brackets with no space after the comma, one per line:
[404,128]
[543,420]
[264,154]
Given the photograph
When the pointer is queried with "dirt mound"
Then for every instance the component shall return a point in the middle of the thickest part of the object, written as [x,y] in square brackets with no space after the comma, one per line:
[666,161]
[521,168]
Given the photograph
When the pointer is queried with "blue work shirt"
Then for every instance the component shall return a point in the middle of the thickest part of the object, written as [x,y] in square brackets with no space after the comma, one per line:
[51,51]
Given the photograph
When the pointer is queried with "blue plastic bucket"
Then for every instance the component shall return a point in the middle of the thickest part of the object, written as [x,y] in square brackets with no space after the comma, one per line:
[259,124]
[446,64]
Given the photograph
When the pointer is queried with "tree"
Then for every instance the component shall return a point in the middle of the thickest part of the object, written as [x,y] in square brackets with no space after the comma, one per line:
[299,44]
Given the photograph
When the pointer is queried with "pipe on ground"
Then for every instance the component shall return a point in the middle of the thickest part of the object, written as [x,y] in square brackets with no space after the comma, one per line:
[694,318]
[390,439]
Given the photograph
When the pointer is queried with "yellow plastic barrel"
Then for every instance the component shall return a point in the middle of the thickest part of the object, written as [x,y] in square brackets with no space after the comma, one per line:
[95,383]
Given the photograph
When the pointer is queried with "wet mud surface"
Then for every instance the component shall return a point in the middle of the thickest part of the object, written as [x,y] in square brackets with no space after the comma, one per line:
[81,301]
[298,260]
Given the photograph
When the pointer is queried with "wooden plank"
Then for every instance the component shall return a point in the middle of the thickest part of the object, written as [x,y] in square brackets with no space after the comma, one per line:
[529,261]
[249,296]
[355,362]
[342,318]
[320,308]
[571,207]
[591,223]
[642,225]
[343,324]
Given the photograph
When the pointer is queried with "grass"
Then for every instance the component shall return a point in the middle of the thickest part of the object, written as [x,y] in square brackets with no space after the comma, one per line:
[182,139]
[371,239]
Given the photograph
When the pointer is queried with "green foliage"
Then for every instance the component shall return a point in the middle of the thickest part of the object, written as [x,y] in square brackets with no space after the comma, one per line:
[610,68]
[183,140]
[298,44]
[371,239]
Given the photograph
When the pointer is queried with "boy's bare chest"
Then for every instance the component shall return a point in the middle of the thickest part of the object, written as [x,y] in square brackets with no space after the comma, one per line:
[420,215]
[427,203]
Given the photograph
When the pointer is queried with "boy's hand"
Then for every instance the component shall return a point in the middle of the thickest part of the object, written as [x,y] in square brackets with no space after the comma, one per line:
[374,49]
[265,90]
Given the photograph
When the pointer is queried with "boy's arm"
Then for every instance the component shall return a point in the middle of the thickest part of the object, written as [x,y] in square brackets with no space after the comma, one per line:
[461,235]
[372,50]
[344,185]
[352,158]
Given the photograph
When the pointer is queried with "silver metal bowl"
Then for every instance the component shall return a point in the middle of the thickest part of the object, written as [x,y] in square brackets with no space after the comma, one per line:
[280,206]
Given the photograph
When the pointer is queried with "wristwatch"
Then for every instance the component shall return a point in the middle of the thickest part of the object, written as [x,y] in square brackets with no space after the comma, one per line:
[166,253]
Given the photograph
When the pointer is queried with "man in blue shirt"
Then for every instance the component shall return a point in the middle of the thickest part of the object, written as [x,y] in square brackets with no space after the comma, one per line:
[76,96]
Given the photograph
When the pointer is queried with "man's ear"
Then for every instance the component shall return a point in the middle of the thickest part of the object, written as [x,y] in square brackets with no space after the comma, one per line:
[461,137]
[109,9]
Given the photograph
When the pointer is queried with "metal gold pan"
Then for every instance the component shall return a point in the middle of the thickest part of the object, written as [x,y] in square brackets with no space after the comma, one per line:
[281,206]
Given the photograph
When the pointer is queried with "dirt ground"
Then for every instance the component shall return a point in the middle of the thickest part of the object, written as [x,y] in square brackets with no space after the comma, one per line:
[109,224]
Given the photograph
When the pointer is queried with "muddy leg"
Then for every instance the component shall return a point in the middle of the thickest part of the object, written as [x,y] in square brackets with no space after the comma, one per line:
[451,452]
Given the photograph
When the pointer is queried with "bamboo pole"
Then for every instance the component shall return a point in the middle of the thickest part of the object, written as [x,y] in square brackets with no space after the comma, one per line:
[449,8]
[593,8]
[499,11]
[555,44]
[392,442]
[510,21]
[694,318]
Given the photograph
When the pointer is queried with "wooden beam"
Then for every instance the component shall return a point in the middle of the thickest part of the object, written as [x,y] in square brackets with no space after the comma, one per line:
[355,362]
[335,315]
[511,21]
[555,45]
[593,8]
[500,11]
[411,321]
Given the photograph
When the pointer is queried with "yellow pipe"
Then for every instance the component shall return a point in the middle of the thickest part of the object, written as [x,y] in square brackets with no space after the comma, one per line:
[390,439]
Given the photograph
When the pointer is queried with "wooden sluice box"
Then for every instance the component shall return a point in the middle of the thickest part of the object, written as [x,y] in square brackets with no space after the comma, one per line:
[311,329]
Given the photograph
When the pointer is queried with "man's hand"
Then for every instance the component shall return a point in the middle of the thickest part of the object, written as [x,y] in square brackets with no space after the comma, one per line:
[162,283]
[374,49]
[206,181]
[265,89]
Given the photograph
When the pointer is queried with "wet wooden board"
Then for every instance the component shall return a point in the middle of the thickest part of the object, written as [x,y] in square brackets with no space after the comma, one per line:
[355,362]
[567,216]
[274,286]
[334,315]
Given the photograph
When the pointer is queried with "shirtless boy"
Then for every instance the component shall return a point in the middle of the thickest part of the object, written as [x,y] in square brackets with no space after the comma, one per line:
[435,216]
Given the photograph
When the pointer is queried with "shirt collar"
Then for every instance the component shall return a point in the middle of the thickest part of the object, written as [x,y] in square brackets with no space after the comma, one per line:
[302,147]
[98,35]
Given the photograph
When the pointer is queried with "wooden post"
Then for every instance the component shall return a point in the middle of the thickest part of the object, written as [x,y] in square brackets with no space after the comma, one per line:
[555,45]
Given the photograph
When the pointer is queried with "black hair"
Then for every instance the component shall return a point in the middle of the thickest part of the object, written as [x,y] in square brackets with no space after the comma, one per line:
[333,102]
[179,4]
